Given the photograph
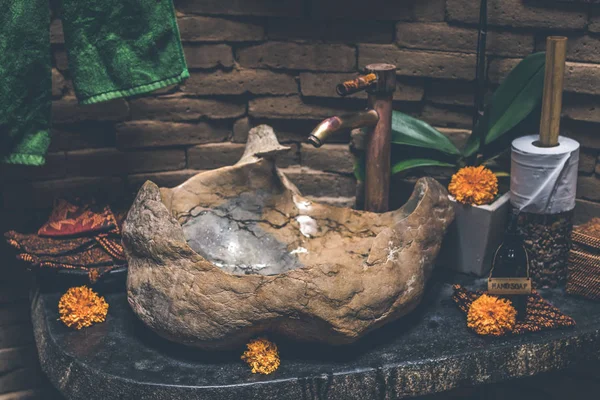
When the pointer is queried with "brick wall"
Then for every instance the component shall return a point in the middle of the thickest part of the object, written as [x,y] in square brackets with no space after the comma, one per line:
[277,62]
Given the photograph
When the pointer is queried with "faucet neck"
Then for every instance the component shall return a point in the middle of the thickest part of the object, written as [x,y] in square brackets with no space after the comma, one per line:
[334,124]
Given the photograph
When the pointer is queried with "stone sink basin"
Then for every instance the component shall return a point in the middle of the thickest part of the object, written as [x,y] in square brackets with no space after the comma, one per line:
[238,251]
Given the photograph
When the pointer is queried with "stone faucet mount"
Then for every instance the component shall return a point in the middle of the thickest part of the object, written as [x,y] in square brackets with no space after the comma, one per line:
[380,84]
[238,251]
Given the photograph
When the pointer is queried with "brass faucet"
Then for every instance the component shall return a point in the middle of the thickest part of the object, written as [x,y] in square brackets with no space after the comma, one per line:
[349,121]
[380,83]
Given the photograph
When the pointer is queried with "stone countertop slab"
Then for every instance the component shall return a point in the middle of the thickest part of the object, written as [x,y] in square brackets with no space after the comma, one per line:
[429,351]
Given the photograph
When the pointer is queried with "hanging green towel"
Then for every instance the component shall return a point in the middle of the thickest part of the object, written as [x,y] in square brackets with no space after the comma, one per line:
[115,48]
[25,81]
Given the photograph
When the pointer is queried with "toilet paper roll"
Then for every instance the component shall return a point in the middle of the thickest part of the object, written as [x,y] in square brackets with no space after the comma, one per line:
[543,179]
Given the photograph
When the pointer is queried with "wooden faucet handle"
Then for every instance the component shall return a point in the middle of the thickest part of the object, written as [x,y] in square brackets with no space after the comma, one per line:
[355,85]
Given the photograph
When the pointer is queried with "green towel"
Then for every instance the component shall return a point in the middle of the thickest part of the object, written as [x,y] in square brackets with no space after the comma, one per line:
[25,81]
[115,48]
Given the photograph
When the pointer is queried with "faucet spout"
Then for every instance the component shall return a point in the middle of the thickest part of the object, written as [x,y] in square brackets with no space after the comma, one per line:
[333,124]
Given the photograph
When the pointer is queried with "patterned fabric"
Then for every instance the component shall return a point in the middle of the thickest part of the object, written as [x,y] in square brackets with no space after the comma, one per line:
[583,276]
[541,315]
[94,272]
[111,243]
[69,219]
[34,244]
[89,257]
[77,237]
[120,217]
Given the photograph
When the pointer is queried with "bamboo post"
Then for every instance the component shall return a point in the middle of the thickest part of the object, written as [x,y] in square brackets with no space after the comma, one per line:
[556,53]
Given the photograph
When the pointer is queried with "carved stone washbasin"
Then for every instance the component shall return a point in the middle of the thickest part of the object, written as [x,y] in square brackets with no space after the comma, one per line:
[237,251]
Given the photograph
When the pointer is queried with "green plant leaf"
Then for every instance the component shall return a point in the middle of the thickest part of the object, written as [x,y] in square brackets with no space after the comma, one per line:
[418,162]
[516,97]
[410,131]
[472,146]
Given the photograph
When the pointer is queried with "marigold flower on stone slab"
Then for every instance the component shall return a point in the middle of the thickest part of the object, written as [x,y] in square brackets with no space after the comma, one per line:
[474,185]
[81,307]
[262,356]
[489,315]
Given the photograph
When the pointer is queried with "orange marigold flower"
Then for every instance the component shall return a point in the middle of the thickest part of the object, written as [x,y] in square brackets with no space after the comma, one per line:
[489,315]
[474,185]
[81,307]
[262,356]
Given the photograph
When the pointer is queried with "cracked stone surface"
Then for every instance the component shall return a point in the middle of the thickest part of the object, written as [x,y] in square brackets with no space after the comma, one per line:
[237,251]
[231,238]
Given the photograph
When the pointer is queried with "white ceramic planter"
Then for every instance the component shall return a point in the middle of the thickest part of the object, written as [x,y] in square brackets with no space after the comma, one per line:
[474,236]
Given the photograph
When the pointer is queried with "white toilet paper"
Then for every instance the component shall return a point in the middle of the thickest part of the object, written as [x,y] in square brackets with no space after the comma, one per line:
[543,180]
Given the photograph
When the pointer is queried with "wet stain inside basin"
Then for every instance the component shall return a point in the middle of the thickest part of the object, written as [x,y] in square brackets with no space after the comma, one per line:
[230,236]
